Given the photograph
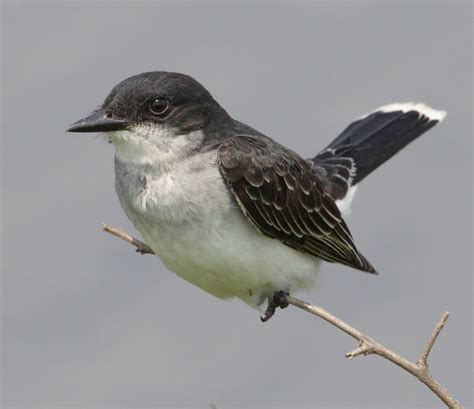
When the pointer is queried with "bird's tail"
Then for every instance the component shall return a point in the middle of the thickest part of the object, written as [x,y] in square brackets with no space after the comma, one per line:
[371,140]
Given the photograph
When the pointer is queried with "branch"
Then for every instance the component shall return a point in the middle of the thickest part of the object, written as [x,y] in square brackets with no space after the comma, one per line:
[429,345]
[366,346]
[141,247]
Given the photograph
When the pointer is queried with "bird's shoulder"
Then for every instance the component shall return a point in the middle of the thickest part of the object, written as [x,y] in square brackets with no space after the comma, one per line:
[250,149]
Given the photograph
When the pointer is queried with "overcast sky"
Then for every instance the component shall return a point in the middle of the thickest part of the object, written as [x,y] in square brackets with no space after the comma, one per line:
[88,322]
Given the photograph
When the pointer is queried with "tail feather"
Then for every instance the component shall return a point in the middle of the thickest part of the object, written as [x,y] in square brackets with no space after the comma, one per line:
[371,140]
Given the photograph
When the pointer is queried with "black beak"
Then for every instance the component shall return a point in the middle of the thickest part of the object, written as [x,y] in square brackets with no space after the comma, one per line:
[99,122]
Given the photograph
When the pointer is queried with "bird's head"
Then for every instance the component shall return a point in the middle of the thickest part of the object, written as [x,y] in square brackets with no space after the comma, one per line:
[154,110]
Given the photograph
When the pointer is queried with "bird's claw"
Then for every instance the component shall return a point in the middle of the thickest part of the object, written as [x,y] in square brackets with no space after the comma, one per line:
[277,300]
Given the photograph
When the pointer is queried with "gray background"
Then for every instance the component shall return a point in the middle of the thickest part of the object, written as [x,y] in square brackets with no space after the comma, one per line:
[88,322]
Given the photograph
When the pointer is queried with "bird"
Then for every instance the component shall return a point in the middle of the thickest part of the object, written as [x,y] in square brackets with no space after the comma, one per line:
[229,209]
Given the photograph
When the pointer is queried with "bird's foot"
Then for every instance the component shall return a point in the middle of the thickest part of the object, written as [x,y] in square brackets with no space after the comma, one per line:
[277,300]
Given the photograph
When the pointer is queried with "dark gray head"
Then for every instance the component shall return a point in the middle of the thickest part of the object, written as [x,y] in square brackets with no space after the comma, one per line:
[161,98]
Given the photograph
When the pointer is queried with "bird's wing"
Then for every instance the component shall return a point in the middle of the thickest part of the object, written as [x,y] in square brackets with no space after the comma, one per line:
[280,193]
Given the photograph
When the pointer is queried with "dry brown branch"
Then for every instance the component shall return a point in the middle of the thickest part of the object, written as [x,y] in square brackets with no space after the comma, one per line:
[141,247]
[423,361]
[366,346]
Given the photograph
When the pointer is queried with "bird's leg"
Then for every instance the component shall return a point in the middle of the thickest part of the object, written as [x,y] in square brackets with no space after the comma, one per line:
[278,299]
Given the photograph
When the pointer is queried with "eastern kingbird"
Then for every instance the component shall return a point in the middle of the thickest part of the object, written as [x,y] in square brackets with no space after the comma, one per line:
[229,209]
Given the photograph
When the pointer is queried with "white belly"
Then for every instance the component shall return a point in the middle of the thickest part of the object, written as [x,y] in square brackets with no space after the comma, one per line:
[229,258]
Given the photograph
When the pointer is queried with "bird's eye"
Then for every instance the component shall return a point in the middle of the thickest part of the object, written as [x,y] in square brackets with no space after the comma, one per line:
[159,106]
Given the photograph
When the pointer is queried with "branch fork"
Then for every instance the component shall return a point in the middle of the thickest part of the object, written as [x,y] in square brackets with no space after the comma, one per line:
[364,348]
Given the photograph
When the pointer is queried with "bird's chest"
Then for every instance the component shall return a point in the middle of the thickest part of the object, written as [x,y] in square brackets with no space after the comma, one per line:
[188,218]
[177,209]
[175,194]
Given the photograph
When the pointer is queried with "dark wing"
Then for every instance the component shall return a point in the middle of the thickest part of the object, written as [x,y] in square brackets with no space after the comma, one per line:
[280,193]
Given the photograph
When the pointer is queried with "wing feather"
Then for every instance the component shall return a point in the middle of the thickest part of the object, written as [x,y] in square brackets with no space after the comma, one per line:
[284,197]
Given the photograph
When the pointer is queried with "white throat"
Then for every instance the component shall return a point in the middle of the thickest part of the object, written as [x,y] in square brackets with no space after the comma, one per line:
[155,146]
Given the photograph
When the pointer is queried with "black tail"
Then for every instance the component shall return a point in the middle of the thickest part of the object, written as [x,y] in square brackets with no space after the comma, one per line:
[371,140]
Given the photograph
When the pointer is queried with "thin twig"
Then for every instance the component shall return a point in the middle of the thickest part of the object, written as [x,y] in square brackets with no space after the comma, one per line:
[366,346]
[423,361]
[141,247]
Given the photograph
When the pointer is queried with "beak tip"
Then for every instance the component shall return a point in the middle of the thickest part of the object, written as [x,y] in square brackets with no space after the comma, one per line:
[73,127]
[77,126]
[98,122]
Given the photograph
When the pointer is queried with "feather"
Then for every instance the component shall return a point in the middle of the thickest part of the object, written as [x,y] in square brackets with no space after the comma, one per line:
[283,196]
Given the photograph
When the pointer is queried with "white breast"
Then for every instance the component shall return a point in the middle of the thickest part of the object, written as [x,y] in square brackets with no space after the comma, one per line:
[187,216]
